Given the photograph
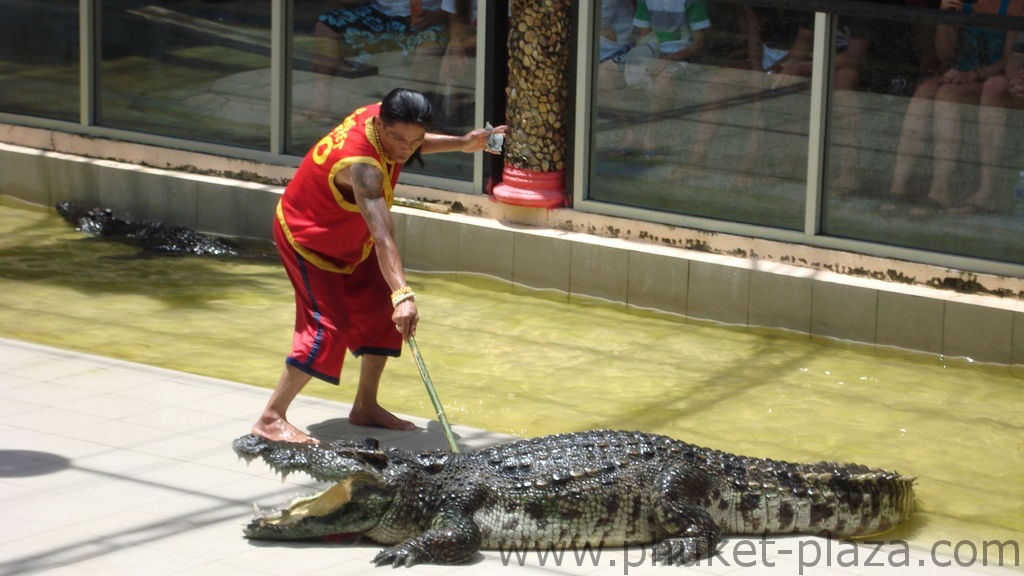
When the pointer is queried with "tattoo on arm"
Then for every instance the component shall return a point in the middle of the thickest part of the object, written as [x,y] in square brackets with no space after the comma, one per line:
[367,181]
[368,189]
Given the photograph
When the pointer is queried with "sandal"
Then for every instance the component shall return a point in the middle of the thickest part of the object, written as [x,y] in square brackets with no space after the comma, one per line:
[893,207]
[928,206]
[970,209]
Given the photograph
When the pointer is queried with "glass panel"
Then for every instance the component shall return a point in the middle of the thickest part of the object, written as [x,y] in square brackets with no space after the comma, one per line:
[39,58]
[346,56]
[707,114]
[192,69]
[931,169]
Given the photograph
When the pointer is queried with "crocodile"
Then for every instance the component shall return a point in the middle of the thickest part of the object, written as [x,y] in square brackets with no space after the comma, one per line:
[596,488]
[152,236]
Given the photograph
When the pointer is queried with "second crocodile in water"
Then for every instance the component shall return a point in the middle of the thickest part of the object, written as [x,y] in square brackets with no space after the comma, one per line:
[597,488]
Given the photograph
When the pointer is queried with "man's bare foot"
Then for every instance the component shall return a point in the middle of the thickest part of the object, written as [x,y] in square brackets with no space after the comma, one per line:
[280,430]
[378,417]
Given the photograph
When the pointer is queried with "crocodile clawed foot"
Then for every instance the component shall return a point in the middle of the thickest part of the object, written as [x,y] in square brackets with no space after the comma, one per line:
[404,554]
[680,551]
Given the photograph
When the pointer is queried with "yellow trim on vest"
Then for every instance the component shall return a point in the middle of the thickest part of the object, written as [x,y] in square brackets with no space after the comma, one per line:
[314,258]
[345,163]
[386,168]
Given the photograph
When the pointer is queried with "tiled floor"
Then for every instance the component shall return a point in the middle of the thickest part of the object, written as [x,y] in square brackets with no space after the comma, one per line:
[111,468]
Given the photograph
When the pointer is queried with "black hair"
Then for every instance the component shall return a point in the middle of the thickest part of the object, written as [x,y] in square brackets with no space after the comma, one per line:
[408,107]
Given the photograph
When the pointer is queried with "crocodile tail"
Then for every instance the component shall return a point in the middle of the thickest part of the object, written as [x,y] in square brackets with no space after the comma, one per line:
[841,500]
[851,501]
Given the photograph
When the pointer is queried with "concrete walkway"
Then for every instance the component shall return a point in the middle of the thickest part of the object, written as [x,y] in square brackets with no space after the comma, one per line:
[109,467]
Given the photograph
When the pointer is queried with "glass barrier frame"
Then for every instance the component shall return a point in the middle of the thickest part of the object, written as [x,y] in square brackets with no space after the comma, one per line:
[821,211]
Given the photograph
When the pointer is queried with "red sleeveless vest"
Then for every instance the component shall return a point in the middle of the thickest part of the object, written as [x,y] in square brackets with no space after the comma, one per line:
[322,226]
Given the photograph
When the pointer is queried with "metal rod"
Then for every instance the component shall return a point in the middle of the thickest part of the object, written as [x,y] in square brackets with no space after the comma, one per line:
[433,396]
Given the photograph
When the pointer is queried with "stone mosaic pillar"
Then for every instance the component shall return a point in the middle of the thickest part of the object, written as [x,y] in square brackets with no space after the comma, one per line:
[538,104]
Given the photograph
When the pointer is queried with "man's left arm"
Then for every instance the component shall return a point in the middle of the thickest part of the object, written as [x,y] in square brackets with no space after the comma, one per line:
[472,141]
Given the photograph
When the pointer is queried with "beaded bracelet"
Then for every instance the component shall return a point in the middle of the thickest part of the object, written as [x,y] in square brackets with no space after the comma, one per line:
[401,295]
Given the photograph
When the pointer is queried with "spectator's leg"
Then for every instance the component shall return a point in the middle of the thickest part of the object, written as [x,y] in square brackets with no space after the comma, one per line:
[992,118]
[948,125]
[913,138]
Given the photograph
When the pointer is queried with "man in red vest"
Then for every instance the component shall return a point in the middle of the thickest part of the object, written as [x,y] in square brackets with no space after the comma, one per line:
[335,236]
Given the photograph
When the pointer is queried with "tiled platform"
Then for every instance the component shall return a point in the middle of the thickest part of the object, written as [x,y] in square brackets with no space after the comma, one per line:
[110,468]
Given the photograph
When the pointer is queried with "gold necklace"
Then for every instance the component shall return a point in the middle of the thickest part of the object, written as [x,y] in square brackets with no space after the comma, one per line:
[380,147]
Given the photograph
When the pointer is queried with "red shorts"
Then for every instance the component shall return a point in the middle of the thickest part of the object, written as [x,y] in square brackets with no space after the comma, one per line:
[337,312]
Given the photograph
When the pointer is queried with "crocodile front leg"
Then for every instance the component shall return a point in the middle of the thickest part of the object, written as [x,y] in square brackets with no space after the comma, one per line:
[680,508]
[453,538]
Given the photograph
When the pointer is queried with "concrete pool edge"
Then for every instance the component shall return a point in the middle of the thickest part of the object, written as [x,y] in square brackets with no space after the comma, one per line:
[562,250]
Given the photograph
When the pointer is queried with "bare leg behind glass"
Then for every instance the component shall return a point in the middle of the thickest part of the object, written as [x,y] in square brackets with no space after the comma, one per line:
[366,411]
[273,423]
[913,137]
[949,102]
[709,115]
[992,119]
[946,147]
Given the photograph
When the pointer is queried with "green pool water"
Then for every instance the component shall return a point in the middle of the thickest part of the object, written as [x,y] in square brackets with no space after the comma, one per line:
[527,362]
